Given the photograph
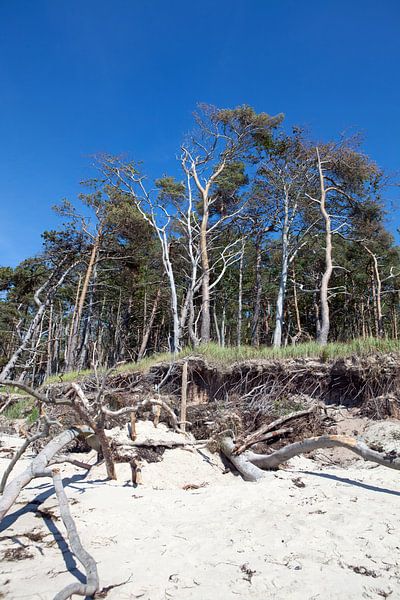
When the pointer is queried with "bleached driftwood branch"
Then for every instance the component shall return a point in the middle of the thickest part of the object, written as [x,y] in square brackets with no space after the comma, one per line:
[252,465]
[89,588]
[39,468]
[28,441]
[35,469]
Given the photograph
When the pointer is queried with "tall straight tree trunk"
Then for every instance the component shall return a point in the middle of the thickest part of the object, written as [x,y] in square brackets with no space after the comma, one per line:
[72,358]
[255,326]
[205,282]
[240,299]
[299,331]
[149,326]
[322,338]
[223,326]
[280,301]
[377,293]
[217,331]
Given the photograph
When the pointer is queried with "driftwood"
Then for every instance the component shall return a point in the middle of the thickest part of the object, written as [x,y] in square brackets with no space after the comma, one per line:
[247,469]
[259,435]
[128,410]
[39,468]
[92,579]
[132,431]
[36,468]
[29,440]
[252,465]
[83,409]
[136,471]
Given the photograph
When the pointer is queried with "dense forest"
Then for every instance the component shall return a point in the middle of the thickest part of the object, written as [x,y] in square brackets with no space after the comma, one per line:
[265,238]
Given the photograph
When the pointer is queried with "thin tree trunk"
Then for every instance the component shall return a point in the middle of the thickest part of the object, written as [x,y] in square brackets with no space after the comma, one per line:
[217,331]
[324,304]
[205,282]
[240,299]
[72,358]
[280,302]
[377,293]
[149,326]
[255,327]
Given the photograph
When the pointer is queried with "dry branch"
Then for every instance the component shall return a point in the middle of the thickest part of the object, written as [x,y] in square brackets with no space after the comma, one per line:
[92,579]
[255,437]
[280,456]
[246,462]
[35,469]
[20,452]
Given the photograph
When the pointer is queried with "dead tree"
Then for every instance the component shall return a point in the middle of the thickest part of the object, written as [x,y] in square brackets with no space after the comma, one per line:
[49,288]
[126,176]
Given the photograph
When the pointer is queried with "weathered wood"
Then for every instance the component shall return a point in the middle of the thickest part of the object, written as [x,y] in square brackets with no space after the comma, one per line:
[157,414]
[266,437]
[248,470]
[37,466]
[89,588]
[82,407]
[136,472]
[132,432]
[272,461]
[255,437]
[19,453]
[246,462]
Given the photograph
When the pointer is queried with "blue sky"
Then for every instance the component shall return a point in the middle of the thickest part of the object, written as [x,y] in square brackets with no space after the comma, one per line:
[123,76]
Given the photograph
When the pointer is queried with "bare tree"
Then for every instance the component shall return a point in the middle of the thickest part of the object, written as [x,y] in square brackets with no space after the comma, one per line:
[212,158]
[48,289]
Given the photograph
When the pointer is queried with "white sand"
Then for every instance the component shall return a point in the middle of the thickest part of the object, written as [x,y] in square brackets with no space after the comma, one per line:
[299,542]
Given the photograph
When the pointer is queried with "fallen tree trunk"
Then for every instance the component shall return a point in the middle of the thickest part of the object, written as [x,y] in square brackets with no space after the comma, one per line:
[280,456]
[247,469]
[246,461]
[35,469]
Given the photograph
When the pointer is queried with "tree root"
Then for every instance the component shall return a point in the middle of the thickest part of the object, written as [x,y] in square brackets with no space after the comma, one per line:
[259,435]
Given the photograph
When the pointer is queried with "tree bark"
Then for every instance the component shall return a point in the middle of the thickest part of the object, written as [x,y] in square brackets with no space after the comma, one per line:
[240,300]
[255,326]
[89,588]
[324,327]
[252,465]
[35,469]
[72,358]
[280,301]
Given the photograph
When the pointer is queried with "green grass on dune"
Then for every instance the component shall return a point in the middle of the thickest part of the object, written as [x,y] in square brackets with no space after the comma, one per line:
[231,354]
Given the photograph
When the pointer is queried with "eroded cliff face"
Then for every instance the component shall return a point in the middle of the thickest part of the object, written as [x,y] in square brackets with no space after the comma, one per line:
[371,383]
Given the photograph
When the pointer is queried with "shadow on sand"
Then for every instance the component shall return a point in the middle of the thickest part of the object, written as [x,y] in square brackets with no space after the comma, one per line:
[365,486]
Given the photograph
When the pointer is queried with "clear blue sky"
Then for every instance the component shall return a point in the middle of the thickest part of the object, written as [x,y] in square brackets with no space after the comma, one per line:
[123,76]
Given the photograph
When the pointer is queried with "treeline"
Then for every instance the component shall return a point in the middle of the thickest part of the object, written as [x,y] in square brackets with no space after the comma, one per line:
[265,238]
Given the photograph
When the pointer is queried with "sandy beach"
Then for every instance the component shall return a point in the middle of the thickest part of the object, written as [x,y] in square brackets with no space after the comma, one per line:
[194,531]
